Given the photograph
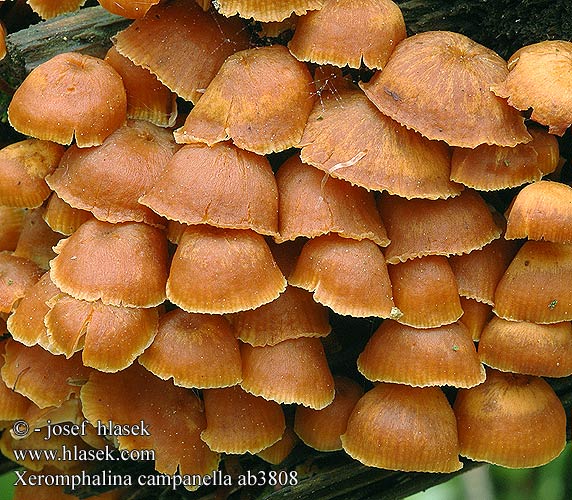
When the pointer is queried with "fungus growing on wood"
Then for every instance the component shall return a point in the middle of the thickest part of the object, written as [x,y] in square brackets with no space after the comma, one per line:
[438,82]
[422,357]
[70,95]
[537,80]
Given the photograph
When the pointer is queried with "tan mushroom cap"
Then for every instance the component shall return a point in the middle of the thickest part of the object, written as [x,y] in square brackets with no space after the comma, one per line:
[422,357]
[265,11]
[536,285]
[71,95]
[438,82]
[147,98]
[293,371]
[436,227]
[475,316]
[538,80]
[310,205]
[182,45]
[511,420]
[62,217]
[23,167]
[404,428]
[220,271]
[17,275]
[347,137]
[132,9]
[26,323]
[46,379]
[346,275]
[478,272]
[12,404]
[321,429]
[292,315]
[347,32]
[260,99]
[119,264]
[109,179]
[490,168]
[220,185]
[541,211]
[425,291]
[195,350]
[11,222]
[278,452]
[238,422]
[173,415]
[47,9]
[528,348]
[109,337]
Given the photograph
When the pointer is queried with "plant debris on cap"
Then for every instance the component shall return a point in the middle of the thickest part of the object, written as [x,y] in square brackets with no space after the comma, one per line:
[266,11]
[182,45]
[195,350]
[438,82]
[538,79]
[70,95]
[348,138]
[398,427]
[222,186]
[422,357]
[260,99]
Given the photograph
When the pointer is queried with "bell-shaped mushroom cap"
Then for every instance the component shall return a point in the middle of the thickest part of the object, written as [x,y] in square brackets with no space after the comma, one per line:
[132,9]
[147,98]
[260,99]
[221,271]
[346,275]
[522,347]
[173,416]
[17,275]
[26,323]
[310,205]
[220,185]
[478,272]
[265,11]
[47,9]
[195,350]
[109,337]
[23,167]
[278,452]
[442,227]
[425,291]
[475,316]
[321,429]
[538,80]
[11,222]
[120,264]
[293,371]
[347,32]
[541,211]
[292,315]
[510,420]
[70,95]
[108,180]
[422,357]
[182,45]
[438,82]
[347,137]
[12,404]
[536,285]
[405,428]
[62,217]
[491,168]
[46,379]
[238,422]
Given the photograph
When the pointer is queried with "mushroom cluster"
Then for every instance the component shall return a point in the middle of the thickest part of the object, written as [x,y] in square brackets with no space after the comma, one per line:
[182,270]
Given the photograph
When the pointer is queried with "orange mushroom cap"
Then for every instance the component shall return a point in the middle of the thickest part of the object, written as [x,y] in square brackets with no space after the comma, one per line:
[475,316]
[70,95]
[438,82]
[17,275]
[265,11]
[132,9]
[62,217]
[47,9]
[11,222]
